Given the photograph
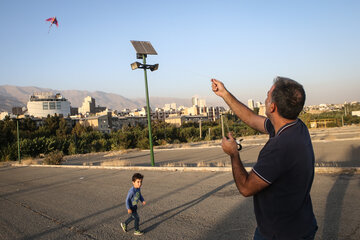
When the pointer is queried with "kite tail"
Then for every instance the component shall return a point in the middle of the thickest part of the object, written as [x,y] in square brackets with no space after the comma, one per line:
[49,28]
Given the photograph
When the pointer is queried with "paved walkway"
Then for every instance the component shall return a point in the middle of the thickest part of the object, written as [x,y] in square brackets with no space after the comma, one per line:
[84,198]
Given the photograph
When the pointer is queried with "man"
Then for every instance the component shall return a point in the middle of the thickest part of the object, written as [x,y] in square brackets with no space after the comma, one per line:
[282,177]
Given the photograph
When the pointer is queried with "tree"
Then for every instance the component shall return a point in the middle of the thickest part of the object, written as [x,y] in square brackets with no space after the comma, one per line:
[63,129]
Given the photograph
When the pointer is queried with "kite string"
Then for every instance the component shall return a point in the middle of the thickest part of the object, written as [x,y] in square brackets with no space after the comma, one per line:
[203,75]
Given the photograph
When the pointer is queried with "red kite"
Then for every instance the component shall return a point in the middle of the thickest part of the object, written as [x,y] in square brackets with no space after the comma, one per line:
[53,20]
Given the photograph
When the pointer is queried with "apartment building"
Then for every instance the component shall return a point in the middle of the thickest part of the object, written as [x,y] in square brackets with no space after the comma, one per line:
[46,103]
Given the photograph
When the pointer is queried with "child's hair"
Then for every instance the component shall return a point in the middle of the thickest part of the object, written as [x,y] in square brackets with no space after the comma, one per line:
[137,176]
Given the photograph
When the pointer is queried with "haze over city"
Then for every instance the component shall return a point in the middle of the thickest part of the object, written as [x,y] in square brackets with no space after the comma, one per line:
[244,44]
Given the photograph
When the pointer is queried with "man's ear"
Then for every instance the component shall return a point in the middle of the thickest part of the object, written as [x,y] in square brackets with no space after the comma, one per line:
[273,107]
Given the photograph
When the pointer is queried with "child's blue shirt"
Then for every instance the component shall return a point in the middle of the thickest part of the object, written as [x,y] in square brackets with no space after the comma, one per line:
[133,197]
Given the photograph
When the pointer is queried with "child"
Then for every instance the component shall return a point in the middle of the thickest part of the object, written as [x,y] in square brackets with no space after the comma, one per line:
[132,199]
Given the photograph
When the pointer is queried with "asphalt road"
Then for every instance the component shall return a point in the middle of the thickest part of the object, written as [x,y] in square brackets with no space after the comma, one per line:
[60,203]
[78,203]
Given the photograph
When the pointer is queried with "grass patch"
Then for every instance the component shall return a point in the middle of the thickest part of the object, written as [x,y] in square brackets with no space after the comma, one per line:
[31,161]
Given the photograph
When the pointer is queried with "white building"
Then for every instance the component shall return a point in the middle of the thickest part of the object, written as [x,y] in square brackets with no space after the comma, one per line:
[251,104]
[170,106]
[45,103]
[355,113]
[202,103]
[4,114]
[262,110]
[88,106]
[194,101]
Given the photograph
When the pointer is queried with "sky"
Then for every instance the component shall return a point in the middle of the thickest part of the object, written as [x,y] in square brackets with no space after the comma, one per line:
[245,44]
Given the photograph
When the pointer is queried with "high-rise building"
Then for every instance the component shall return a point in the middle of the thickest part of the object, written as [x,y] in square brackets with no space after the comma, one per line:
[88,106]
[202,103]
[195,101]
[198,102]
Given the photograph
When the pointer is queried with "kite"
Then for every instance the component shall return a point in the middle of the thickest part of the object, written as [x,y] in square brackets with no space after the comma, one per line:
[53,20]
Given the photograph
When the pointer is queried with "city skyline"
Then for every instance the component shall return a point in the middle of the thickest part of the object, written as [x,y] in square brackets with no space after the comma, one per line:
[244,44]
[20,94]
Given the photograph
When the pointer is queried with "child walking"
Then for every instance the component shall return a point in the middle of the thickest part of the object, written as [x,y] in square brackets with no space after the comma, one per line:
[132,199]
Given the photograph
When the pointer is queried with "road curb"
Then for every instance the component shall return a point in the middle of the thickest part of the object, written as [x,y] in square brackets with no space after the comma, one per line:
[338,170]
[319,170]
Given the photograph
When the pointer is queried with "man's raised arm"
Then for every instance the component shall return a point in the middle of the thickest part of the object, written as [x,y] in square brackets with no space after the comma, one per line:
[243,112]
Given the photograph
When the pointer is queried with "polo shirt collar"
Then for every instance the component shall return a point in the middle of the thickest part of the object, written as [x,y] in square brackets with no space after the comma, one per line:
[286,126]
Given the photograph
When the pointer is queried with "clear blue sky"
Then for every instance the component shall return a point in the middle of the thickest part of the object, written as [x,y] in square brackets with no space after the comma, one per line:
[245,44]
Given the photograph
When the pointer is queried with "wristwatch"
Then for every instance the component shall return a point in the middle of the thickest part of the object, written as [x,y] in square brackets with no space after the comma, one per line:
[238,142]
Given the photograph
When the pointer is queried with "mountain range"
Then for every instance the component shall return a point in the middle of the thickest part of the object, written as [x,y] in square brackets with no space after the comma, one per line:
[15,96]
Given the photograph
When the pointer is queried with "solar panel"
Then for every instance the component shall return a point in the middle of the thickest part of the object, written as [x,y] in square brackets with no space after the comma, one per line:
[143,47]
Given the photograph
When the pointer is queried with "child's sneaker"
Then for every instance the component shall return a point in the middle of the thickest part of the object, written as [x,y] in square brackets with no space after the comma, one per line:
[138,233]
[123,226]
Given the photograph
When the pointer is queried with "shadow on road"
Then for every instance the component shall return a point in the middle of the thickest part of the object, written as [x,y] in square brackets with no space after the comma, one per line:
[179,209]
[107,216]
[335,199]
[353,156]
[240,223]
[334,207]
[71,226]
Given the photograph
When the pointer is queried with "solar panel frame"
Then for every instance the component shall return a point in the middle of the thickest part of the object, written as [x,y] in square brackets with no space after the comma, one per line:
[143,47]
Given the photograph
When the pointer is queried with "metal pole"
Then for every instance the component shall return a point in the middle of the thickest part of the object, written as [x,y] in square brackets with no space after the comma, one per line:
[18,139]
[148,115]
[222,126]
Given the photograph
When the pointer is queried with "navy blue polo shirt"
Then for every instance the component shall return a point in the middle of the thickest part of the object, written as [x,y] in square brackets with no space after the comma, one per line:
[284,210]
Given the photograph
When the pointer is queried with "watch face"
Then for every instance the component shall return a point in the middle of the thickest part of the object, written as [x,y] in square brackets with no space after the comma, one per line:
[238,142]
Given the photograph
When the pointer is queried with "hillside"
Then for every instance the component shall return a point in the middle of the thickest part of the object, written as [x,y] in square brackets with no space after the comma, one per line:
[11,96]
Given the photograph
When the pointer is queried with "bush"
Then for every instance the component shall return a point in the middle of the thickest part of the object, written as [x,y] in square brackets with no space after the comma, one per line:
[9,153]
[143,143]
[122,139]
[54,158]
[160,142]
[188,134]
[72,148]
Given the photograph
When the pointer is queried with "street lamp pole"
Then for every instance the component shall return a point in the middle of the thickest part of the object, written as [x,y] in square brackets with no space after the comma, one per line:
[144,48]
[148,115]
